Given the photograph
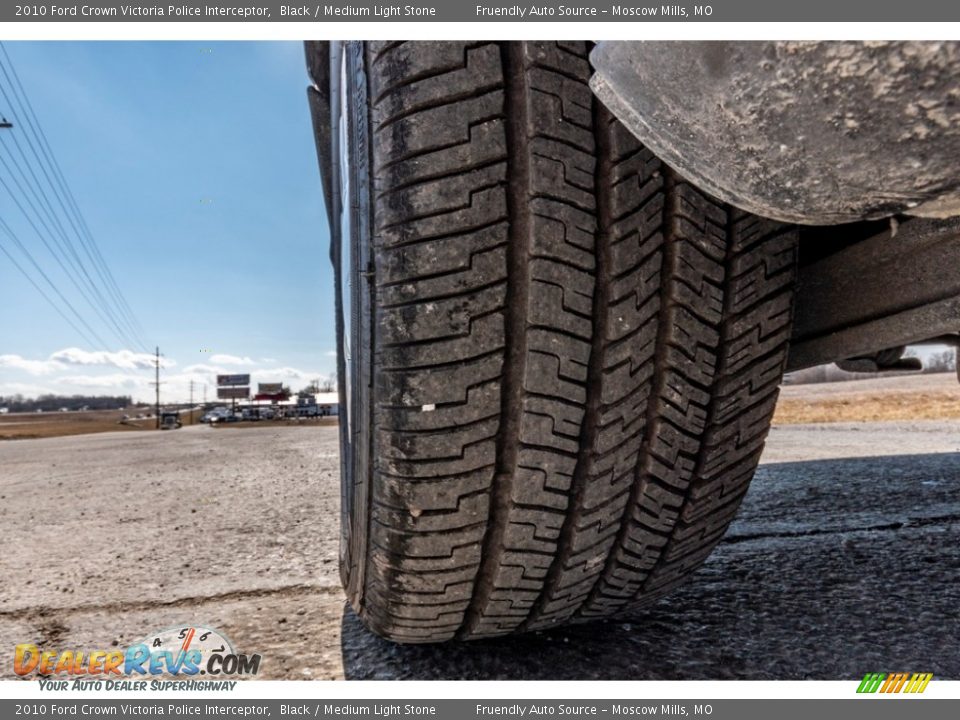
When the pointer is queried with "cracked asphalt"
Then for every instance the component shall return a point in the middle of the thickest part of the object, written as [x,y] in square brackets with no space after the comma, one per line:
[844,559]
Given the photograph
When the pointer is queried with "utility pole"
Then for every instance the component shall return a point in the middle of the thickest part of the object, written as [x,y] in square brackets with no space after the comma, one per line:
[157,383]
[191,402]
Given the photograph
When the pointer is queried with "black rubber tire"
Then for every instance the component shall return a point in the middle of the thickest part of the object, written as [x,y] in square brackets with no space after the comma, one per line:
[565,357]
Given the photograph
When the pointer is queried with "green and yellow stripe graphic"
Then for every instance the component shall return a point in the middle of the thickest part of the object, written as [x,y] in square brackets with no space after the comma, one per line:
[894,682]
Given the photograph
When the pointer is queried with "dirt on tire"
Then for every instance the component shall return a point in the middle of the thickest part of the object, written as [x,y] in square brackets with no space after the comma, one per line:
[575,354]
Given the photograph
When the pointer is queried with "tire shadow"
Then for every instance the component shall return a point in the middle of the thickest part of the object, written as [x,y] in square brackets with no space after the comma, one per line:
[833,568]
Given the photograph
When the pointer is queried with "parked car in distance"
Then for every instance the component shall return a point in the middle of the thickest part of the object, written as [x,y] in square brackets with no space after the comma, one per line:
[215,414]
[227,417]
[257,413]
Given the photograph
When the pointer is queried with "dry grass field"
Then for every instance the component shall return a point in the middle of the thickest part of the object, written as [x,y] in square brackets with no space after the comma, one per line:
[904,398]
[26,426]
[23,426]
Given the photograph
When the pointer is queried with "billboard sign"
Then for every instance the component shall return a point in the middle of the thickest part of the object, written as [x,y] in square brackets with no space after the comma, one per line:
[233,379]
[233,393]
[269,388]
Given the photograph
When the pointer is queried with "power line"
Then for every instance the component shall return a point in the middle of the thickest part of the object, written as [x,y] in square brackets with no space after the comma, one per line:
[37,129]
[23,249]
[71,210]
[93,343]
[44,239]
[46,244]
[42,200]
[99,304]
[96,340]
[125,306]
[44,294]
[57,308]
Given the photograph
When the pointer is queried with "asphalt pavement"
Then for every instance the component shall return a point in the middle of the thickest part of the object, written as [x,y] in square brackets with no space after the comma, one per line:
[844,559]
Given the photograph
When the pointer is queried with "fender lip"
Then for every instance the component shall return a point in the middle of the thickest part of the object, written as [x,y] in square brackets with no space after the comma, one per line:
[816,133]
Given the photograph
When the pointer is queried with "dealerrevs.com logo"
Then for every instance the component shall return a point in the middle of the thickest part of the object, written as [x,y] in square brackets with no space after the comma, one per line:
[177,652]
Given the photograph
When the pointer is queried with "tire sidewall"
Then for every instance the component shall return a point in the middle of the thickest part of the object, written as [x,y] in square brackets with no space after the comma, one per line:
[352,241]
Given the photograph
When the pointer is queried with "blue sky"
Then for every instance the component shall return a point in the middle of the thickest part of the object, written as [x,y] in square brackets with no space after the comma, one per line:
[194,166]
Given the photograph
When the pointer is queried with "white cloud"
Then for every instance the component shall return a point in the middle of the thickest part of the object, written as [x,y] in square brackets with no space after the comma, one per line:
[292,373]
[64,372]
[331,353]
[32,367]
[71,357]
[231,360]
[123,359]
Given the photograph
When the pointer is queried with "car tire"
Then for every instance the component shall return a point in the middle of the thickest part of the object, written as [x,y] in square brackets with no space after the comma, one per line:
[559,359]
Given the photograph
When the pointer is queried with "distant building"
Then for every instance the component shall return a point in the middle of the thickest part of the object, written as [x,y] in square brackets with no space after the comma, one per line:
[328,402]
[314,405]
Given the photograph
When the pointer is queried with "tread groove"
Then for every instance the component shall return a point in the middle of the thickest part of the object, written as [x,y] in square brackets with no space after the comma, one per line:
[573,516]
[518,187]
